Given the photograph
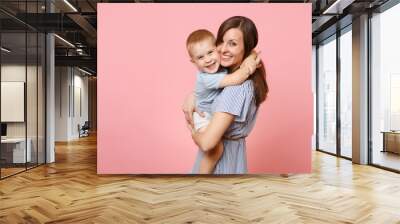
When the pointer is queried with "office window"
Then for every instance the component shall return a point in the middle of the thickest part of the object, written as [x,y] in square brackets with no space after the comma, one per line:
[385,89]
[314,91]
[327,95]
[346,93]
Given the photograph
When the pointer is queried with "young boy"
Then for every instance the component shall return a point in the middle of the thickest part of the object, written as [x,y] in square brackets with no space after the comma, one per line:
[210,80]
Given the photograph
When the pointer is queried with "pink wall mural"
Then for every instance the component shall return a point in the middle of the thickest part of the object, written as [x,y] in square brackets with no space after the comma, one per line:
[144,74]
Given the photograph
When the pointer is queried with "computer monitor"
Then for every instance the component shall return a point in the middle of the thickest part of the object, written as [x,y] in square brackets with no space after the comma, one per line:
[3,129]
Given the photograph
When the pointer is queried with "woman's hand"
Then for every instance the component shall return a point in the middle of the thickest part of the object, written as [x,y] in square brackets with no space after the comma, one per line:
[188,107]
[252,62]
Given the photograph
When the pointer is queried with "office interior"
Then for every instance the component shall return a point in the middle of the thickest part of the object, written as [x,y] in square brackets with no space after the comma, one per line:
[48,80]
[356,62]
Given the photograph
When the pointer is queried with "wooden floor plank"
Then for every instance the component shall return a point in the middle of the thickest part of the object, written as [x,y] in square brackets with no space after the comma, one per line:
[70,191]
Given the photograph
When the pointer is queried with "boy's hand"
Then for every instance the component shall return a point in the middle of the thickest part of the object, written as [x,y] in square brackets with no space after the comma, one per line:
[188,107]
[251,62]
[191,129]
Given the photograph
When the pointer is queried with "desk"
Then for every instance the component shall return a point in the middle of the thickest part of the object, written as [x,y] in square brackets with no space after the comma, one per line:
[391,141]
[15,148]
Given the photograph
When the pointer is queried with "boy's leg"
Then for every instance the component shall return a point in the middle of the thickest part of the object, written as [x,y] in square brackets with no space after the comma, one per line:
[210,159]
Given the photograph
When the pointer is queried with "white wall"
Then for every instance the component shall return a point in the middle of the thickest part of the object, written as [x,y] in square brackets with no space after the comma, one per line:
[12,101]
[16,73]
[33,127]
[12,73]
[62,81]
[71,93]
[80,84]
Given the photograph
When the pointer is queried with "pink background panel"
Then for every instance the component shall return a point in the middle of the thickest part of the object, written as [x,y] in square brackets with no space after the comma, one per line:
[144,74]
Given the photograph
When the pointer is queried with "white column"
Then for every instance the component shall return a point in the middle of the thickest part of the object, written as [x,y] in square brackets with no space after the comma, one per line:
[360,90]
[50,110]
[50,93]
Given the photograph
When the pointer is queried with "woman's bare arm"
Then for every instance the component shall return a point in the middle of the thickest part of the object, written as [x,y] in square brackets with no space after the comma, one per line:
[208,139]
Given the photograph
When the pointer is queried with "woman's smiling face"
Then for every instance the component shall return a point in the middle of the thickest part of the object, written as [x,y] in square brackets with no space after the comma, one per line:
[231,49]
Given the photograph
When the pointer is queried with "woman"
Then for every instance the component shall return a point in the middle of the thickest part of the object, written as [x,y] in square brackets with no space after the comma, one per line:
[236,107]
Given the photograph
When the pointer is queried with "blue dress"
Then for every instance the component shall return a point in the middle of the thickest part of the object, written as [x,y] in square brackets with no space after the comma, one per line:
[239,101]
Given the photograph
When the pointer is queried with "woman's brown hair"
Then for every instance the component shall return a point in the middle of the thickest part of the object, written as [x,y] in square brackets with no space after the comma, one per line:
[250,39]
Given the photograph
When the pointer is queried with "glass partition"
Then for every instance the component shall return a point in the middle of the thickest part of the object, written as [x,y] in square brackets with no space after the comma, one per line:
[13,105]
[327,95]
[32,95]
[22,77]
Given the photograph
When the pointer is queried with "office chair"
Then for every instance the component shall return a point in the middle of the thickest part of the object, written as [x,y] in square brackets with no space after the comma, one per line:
[84,130]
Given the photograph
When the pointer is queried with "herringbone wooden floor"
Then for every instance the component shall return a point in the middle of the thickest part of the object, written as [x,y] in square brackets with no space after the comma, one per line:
[69,191]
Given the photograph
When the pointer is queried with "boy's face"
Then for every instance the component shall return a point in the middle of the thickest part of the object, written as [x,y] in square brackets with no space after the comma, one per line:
[205,56]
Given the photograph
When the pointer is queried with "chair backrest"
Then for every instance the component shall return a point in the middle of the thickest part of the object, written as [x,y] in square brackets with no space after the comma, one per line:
[86,125]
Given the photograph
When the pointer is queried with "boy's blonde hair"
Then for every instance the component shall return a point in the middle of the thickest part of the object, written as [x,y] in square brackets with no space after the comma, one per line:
[198,36]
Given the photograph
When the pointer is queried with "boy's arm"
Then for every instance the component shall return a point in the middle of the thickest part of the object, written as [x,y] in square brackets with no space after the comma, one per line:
[248,67]
[236,78]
